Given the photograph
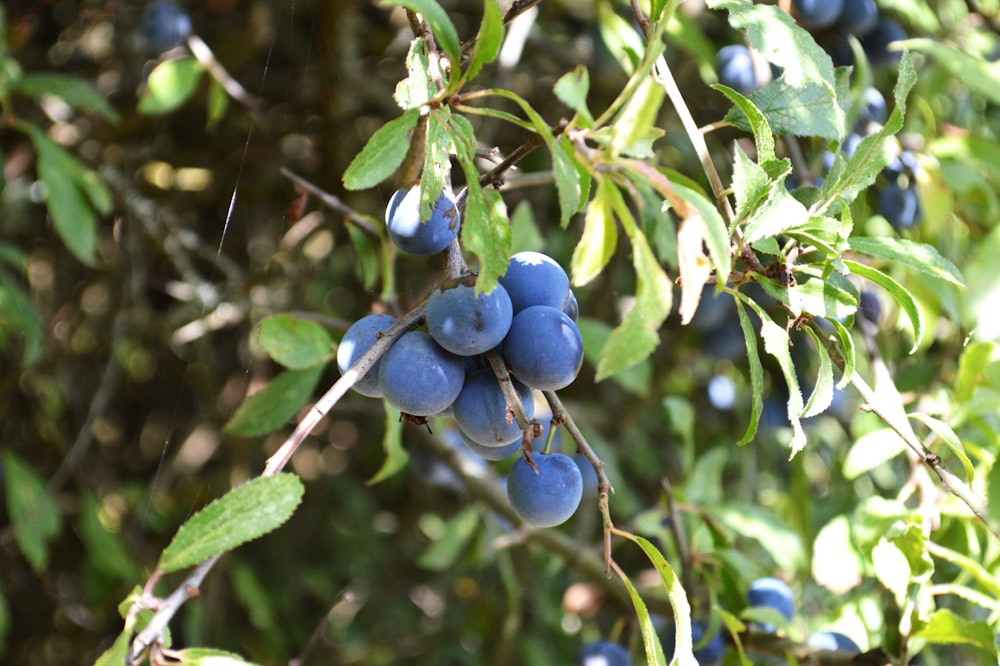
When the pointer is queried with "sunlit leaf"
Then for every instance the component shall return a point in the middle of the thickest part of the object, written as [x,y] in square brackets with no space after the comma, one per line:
[246,512]
[756,376]
[822,395]
[489,39]
[599,238]
[903,297]
[945,627]
[383,153]
[919,256]
[572,89]
[294,342]
[871,450]
[170,84]
[444,31]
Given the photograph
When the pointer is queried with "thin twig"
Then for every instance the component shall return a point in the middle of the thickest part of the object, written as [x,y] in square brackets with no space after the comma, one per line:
[203,54]
[330,201]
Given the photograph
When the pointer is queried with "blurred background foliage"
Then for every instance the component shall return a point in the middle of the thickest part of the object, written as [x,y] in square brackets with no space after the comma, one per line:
[120,365]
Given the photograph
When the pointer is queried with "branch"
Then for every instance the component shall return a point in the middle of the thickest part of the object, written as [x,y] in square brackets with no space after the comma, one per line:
[203,54]
[330,201]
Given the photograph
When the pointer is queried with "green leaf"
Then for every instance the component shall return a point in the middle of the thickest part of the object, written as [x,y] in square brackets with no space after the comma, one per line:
[971,368]
[489,40]
[273,406]
[898,293]
[756,375]
[72,90]
[33,512]
[621,39]
[630,131]
[396,457]
[595,333]
[822,394]
[919,256]
[383,153]
[891,568]
[683,654]
[599,238]
[169,85]
[751,184]
[368,257]
[714,227]
[445,550]
[777,344]
[295,343]
[833,297]
[948,436]
[847,350]
[986,579]
[762,134]
[437,166]
[782,542]
[4,621]
[945,627]
[18,317]
[216,105]
[650,641]
[116,654]
[444,31]
[993,491]
[210,657]
[638,334]
[871,450]
[418,88]
[106,551]
[485,231]
[809,109]
[836,563]
[779,212]
[71,212]
[571,89]
[981,77]
[245,513]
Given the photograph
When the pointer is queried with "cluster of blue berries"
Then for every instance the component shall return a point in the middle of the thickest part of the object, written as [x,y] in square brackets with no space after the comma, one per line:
[529,318]
[164,25]
[834,21]
[775,594]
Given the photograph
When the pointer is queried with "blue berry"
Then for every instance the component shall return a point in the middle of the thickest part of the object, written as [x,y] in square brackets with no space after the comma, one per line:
[772,593]
[876,43]
[418,377]
[481,410]
[356,341]
[466,323]
[858,17]
[815,15]
[603,653]
[422,237]
[874,109]
[735,68]
[491,452]
[832,640]
[165,25]
[899,205]
[869,307]
[533,278]
[572,307]
[551,496]
[543,348]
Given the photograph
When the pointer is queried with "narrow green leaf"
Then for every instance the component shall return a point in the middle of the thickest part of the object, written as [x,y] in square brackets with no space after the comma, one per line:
[383,153]
[571,89]
[630,130]
[683,654]
[437,165]
[216,105]
[273,406]
[993,491]
[367,265]
[778,213]
[650,641]
[458,531]
[444,31]
[245,513]
[638,334]
[898,293]
[833,296]
[822,395]
[620,37]
[777,344]
[751,184]
[18,317]
[295,343]
[716,233]
[33,512]
[763,137]
[169,85]
[971,368]
[488,41]
[848,352]
[599,238]
[871,450]
[779,540]
[210,657]
[945,627]
[115,655]
[948,436]
[72,90]
[106,551]
[569,182]
[396,457]
[919,256]
[979,76]
[71,213]
[756,376]
[485,230]
[983,576]
[595,333]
